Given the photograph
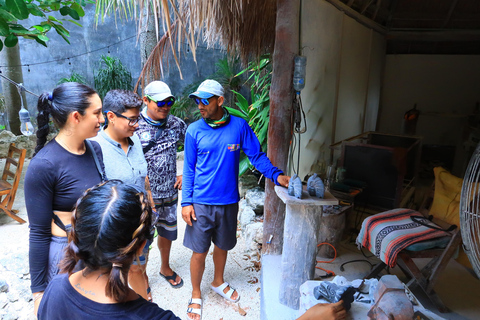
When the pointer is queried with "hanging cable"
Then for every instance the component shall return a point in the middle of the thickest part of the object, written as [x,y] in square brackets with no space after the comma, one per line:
[18,85]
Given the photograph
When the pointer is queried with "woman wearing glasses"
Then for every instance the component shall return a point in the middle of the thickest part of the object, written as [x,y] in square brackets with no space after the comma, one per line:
[124,160]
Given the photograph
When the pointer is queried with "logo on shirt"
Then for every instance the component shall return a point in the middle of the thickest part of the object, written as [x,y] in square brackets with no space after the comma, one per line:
[233,147]
[146,136]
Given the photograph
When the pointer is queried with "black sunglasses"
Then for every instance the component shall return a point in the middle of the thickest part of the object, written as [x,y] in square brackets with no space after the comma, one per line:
[167,103]
[131,122]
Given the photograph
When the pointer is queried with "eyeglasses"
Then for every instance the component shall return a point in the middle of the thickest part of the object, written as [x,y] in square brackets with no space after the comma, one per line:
[164,103]
[205,102]
[131,122]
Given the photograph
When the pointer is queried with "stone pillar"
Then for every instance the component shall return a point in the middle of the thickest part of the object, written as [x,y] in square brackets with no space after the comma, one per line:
[302,221]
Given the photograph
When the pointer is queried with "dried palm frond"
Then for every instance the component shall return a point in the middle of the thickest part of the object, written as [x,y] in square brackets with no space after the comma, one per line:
[243,27]
[153,67]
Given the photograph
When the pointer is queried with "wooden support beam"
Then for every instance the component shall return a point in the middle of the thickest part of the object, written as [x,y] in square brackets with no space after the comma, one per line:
[365,6]
[432,35]
[357,16]
[450,12]
[350,3]
[378,5]
[393,8]
[287,43]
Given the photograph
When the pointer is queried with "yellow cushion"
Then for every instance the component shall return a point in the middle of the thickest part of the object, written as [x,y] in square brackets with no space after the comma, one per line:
[446,202]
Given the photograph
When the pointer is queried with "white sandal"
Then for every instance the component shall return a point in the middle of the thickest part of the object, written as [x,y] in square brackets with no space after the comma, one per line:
[229,293]
[194,310]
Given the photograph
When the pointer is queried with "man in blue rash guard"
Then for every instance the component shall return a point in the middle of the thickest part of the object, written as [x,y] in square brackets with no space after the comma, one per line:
[210,186]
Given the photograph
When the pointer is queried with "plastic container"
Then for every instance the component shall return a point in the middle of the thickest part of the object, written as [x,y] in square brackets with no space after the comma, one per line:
[299,73]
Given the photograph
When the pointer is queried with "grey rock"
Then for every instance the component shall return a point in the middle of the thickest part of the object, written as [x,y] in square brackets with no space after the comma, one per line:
[256,199]
[246,182]
[246,218]
[3,285]
[180,155]
[3,300]
[253,236]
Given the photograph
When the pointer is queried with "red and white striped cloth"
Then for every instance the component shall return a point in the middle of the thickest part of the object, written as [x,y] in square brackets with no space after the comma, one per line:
[386,234]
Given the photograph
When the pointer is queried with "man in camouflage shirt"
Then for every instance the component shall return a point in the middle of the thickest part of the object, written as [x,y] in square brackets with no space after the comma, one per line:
[159,133]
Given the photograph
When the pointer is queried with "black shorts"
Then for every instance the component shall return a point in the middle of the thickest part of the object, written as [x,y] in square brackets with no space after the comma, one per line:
[215,223]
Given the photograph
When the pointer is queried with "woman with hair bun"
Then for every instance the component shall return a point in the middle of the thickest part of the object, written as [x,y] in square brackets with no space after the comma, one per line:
[110,226]
[59,173]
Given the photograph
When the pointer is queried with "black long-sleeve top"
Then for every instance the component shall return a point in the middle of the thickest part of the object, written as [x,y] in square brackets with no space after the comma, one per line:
[55,179]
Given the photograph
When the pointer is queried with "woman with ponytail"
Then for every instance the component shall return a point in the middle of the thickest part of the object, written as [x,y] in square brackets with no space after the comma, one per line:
[110,226]
[59,173]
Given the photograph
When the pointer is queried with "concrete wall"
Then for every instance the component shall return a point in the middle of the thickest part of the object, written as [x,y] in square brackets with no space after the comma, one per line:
[84,55]
[445,89]
[344,65]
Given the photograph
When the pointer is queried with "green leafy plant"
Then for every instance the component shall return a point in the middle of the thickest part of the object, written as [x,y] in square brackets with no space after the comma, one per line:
[12,11]
[112,75]
[74,77]
[257,112]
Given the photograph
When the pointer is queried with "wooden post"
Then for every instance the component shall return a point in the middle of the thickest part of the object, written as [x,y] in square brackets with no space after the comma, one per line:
[280,126]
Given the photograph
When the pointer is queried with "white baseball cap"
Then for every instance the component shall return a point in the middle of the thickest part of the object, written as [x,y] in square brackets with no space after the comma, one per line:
[158,91]
[208,89]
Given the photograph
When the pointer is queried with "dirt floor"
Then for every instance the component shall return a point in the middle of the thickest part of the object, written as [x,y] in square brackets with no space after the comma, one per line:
[240,272]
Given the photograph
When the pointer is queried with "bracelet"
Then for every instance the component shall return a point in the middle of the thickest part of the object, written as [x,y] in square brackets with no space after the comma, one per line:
[37,296]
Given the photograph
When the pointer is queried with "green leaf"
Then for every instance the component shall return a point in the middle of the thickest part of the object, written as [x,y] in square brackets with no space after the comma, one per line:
[78,8]
[65,11]
[55,6]
[52,18]
[237,113]
[62,32]
[43,37]
[18,8]
[43,43]
[75,22]
[4,29]
[40,28]
[244,165]
[35,10]
[74,14]
[7,16]
[11,41]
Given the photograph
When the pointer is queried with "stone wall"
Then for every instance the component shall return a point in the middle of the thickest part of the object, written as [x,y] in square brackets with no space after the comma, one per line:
[21,142]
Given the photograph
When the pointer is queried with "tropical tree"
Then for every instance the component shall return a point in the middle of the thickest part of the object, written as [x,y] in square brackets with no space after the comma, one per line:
[13,11]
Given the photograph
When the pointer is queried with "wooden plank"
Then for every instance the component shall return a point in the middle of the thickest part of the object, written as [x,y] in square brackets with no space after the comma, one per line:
[369,23]
[432,36]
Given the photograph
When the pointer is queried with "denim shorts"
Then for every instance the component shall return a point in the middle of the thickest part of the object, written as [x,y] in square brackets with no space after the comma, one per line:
[215,223]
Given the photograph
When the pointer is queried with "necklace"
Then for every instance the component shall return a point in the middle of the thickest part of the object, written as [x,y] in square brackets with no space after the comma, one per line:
[66,147]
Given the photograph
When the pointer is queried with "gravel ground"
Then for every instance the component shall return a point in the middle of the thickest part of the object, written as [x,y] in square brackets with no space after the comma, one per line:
[240,271]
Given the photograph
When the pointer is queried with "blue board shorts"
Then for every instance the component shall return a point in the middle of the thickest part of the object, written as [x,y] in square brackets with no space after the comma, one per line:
[215,223]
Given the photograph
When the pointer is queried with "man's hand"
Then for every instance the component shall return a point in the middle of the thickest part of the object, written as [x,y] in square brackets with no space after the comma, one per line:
[283,180]
[325,311]
[178,183]
[188,213]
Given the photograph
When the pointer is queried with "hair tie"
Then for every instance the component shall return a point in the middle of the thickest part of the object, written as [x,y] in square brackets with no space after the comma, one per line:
[50,96]
[118,265]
